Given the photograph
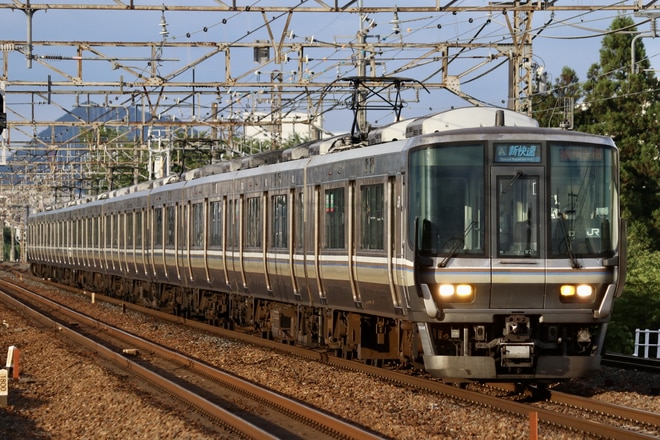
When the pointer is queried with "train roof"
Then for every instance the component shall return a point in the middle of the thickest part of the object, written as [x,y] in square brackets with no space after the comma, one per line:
[461,120]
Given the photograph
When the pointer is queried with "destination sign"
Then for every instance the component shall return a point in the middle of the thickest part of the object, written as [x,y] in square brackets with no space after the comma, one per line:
[580,154]
[518,152]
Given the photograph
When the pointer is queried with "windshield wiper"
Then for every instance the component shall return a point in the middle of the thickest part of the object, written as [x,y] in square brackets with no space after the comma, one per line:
[575,264]
[516,176]
[454,248]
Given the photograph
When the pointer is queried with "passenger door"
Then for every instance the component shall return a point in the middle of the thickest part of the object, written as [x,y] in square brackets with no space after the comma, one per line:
[517,244]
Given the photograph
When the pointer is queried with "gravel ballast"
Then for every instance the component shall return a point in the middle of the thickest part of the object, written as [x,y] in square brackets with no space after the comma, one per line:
[63,393]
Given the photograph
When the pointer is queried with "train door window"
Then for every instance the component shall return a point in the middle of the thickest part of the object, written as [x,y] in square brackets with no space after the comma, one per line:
[279,222]
[138,229]
[253,222]
[372,217]
[89,232]
[232,217]
[170,225]
[59,232]
[110,232]
[99,231]
[121,230]
[518,214]
[183,226]
[158,226]
[114,235]
[334,218]
[300,220]
[197,225]
[215,224]
[74,233]
[107,231]
[130,228]
[147,229]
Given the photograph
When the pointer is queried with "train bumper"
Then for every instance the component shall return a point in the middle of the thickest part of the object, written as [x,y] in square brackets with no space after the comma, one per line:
[483,367]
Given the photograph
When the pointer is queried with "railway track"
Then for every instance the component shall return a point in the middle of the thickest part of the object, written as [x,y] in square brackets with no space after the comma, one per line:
[587,416]
[632,362]
[242,407]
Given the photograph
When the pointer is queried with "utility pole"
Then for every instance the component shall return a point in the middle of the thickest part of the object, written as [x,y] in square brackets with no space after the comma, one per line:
[520,58]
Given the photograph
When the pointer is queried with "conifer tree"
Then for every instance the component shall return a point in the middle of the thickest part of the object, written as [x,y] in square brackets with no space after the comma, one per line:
[621,101]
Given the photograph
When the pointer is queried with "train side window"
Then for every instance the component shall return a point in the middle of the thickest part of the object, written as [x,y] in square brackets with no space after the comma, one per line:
[334,218]
[253,222]
[372,216]
[215,224]
[279,222]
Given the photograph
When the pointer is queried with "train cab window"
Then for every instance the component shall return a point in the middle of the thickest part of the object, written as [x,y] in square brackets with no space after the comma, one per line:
[253,222]
[197,225]
[334,218]
[215,224]
[372,216]
[279,222]
[446,199]
[583,200]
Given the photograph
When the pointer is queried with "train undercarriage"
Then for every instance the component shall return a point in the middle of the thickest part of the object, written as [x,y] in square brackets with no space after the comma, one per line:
[512,347]
[371,339]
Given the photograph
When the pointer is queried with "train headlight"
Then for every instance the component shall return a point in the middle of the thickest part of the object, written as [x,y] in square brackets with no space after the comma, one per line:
[456,292]
[573,293]
[567,291]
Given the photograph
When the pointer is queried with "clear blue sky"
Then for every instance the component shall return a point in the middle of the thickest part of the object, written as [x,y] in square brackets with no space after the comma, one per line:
[571,39]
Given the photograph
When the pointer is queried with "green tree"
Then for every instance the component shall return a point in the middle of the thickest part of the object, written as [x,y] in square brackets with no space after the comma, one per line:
[623,103]
[554,108]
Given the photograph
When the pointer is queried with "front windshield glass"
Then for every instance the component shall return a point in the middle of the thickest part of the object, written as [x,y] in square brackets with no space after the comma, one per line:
[446,196]
[583,198]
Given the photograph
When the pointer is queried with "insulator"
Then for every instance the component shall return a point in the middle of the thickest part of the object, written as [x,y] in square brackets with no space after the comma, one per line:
[10,47]
[52,57]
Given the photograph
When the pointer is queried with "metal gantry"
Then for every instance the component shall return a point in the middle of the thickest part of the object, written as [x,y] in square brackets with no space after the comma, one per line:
[152,91]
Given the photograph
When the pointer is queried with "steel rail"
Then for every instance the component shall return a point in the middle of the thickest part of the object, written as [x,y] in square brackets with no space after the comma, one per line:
[312,415]
[520,409]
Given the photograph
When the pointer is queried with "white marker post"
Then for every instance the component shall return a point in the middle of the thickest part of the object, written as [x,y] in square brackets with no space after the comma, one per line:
[4,387]
[10,359]
[13,356]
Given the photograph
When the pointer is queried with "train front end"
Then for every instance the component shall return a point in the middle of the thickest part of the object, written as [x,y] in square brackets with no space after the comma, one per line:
[518,251]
